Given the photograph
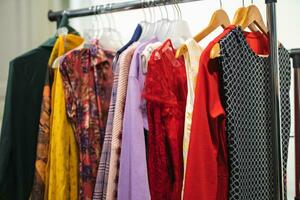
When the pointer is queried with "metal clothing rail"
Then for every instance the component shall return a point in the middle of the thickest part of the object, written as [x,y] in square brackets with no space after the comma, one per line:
[271,17]
[112,7]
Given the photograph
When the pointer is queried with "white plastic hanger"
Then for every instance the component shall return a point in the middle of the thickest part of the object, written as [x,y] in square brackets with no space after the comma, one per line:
[110,38]
[158,21]
[180,29]
[145,24]
[153,25]
[164,25]
[95,31]
[172,22]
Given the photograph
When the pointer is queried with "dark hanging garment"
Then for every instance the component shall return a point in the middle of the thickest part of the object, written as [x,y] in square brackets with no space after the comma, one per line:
[21,121]
[21,116]
[246,91]
[285,106]
[135,37]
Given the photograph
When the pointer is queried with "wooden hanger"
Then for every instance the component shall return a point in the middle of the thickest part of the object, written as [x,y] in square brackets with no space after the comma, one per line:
[253,15]
[238,17]
[250,16]
[219,18]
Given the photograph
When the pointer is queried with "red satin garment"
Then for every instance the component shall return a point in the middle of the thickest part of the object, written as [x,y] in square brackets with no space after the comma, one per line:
[207,173]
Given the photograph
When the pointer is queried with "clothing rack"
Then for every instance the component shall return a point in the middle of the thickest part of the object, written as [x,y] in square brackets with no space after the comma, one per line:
[271,18]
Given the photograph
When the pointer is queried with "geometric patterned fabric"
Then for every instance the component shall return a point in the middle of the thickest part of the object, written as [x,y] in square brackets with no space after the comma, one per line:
[246,97]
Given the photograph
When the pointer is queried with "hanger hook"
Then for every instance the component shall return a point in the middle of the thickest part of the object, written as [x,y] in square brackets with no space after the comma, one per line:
[143,10]
[95,12]
[101,11]
[179,9]
[251,1]
[177,12]
[221,6]
[176,9]
[95,24]
[243,3]
[65,12]
[158,5]
[161,12]
[153,9]
[110,16]
[166,9]
[107,15]
[98,11]
[150,11]
[147,10]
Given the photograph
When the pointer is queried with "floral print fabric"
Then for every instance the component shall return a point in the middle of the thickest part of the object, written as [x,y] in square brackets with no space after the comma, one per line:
[38,187]
[87,77]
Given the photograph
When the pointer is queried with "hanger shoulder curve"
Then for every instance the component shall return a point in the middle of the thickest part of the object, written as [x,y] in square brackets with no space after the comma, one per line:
[238,17]
[253,15]
[181,50]
[219,18]
[244,17]
[215,51]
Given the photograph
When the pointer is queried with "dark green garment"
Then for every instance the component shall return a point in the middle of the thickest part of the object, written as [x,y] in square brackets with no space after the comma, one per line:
[21,121]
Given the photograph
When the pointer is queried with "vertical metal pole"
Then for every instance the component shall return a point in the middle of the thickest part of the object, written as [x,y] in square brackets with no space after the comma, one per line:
[277,151]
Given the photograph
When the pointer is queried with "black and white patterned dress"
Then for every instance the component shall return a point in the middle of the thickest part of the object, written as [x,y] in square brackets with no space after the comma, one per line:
[246,94]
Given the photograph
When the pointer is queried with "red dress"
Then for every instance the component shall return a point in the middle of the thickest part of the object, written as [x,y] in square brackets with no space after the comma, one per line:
[207,173]
[165,91]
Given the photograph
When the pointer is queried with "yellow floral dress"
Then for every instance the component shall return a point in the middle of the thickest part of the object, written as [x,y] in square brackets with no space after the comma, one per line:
[62,166]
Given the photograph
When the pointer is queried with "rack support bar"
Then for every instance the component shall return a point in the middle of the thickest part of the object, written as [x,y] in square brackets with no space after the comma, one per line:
[275,89]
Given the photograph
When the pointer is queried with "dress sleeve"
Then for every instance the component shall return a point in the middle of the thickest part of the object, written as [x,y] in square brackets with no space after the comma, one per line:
[207,135]
[133,177]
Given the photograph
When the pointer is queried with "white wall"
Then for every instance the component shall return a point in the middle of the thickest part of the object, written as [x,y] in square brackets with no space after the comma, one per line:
[24,26]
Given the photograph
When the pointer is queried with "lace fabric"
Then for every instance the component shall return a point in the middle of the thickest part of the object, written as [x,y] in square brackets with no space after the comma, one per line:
[165,91]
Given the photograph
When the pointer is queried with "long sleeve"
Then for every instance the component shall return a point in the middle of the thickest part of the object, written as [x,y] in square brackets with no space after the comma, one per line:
[133,175]
[133,178]
[20,122]
[112,183]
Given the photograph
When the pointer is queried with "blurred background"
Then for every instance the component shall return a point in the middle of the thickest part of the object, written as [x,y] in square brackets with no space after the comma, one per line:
[24,25]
